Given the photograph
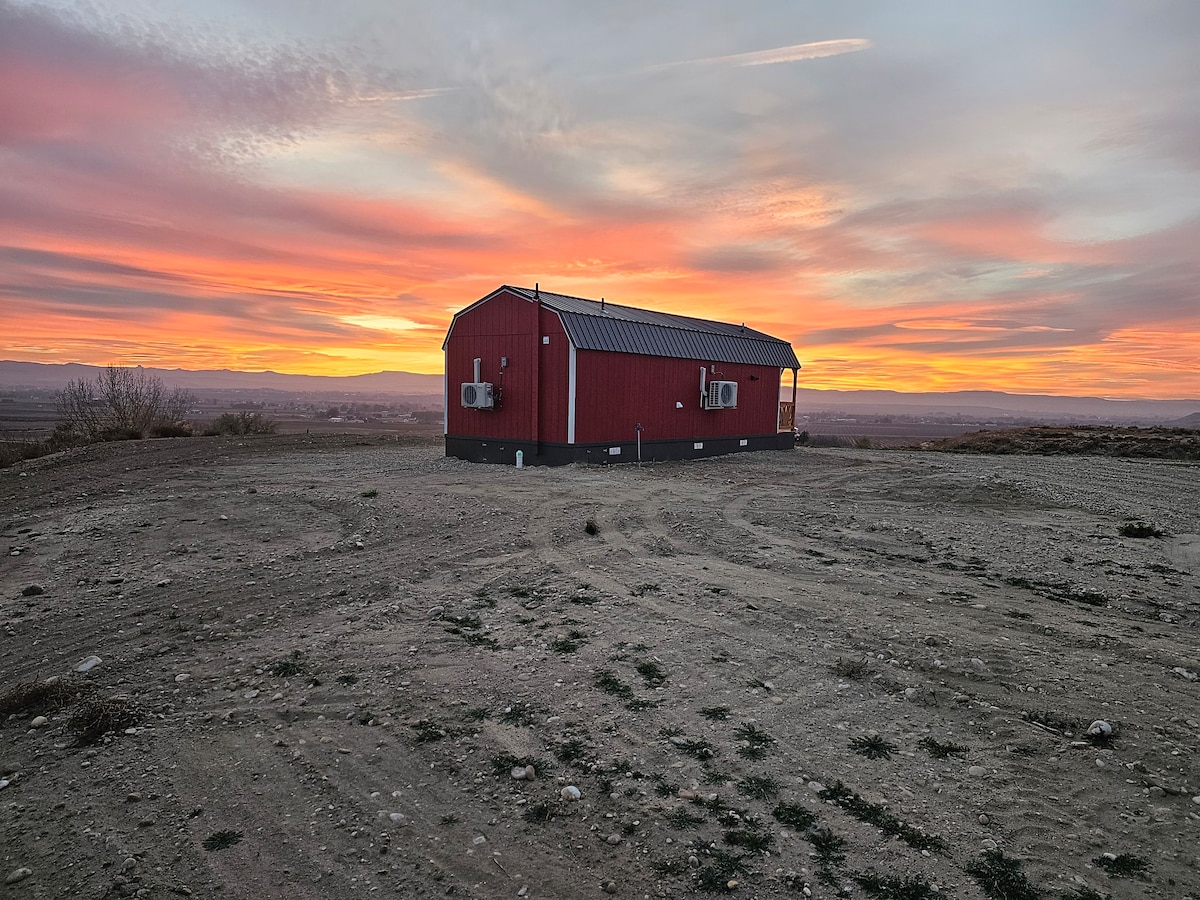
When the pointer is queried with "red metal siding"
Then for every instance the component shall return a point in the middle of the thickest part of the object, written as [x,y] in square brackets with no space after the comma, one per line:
[616,391]
[508,326]
[503,326]
[552,379]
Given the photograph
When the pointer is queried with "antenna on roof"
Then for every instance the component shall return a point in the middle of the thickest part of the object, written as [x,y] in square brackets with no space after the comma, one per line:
[602,303]
[536,295]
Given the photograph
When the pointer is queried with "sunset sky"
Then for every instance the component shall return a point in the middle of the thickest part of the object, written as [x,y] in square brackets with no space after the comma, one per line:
[920,195]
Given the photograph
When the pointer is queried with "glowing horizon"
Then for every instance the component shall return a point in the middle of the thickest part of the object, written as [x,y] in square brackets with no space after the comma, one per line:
[210,188]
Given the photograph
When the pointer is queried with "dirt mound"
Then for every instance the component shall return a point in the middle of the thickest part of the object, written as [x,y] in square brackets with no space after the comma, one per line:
[1090,440]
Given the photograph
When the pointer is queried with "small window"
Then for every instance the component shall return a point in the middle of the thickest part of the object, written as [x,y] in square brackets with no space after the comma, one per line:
[743,442]
[699,445]
[614,451]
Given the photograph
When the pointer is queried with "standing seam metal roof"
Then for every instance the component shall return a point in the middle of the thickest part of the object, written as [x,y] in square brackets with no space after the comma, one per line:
[592,325]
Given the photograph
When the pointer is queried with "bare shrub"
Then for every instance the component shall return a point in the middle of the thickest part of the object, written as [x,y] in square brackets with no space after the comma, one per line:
[242,423]
[121,404]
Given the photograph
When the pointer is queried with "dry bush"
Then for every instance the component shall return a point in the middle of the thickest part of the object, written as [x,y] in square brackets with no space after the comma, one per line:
[121,404]
[242,423]
[95,716]
[36,697]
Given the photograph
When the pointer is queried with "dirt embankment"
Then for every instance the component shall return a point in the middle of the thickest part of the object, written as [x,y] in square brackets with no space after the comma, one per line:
[775,674]
[1085,440]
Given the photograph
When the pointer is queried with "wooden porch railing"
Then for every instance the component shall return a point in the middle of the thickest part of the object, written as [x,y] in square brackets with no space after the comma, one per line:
[787,415]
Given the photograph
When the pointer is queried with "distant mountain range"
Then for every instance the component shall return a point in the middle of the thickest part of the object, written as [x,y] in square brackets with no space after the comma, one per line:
[55,376]
[980,406]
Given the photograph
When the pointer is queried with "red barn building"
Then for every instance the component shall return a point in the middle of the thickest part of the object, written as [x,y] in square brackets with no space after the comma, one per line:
[564,379]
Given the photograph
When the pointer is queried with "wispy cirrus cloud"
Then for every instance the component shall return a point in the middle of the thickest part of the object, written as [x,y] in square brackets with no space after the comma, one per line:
[775,55]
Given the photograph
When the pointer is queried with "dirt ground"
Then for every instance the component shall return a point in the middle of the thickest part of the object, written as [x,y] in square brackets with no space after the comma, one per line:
[812,673]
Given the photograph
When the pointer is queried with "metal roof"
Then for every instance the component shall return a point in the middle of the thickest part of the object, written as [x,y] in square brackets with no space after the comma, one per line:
[598,325]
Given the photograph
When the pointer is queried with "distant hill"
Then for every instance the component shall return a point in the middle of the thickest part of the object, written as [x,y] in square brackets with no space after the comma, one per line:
[53,377]
[992,405]
[976,406]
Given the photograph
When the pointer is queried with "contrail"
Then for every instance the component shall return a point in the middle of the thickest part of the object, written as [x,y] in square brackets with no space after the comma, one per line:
[794,53]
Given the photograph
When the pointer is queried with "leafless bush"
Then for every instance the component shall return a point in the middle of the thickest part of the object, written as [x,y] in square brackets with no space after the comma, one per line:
[121,403]
[242,423]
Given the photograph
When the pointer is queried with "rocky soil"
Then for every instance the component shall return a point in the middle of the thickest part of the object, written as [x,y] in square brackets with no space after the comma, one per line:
[331,667]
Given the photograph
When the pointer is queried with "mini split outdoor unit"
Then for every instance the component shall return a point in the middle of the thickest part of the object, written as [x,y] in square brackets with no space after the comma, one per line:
[477,394]
[721,395]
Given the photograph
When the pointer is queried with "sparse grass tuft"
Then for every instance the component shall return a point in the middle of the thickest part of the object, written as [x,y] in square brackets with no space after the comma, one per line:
[719,869]
[881,818]
[221,840]
[428,731]
[571,642]
[751,837]
[287,668]
[795,816]
[697,749]
[608,682]
[715,713]
[830,847]
[1001,878]
[682,818]
[369,494]
[873,746]
[885,887]
[1124,865]
[347,679]
[570,750]
[519,712]
[652,673]
[504,763]
[850,668]
[938,750]
[760,787]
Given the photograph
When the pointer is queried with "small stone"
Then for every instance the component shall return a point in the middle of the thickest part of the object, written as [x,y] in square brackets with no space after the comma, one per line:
[977,771]
[436,612]
[32,590]
[38,722]
[478,839]
[134,797]
[613,839]
[1196,799]
[1100,728]
[530,773]
[983,819]
[18,875]
[610,887]
[989,844]
[523,891]
[816,787]
[87,664]
[518,773]
[182,677]
[398,818]
[731,884]
[128,864]
[250,695]
[570,793]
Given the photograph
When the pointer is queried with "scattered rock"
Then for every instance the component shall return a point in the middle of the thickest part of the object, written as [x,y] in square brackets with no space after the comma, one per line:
[32,590]
[1100,728]
[39,722]
[570,793]
[182,677]
[816,787]
[610,887]
[591,527]
[18,875]
[977,771]
[86,665]
[613,839]
[1187,674]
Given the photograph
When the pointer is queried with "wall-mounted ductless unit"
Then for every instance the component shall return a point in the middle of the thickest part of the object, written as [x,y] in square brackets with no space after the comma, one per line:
[721,395]
[477,394]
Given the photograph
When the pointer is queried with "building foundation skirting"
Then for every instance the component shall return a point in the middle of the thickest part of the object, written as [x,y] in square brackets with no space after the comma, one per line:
[504,452]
